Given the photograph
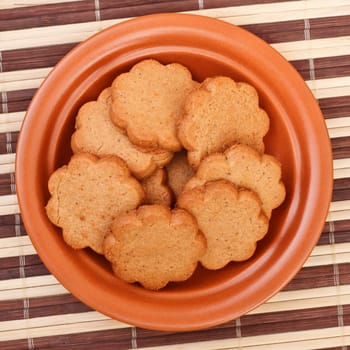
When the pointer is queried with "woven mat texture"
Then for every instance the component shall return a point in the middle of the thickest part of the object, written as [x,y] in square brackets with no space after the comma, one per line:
[311,312]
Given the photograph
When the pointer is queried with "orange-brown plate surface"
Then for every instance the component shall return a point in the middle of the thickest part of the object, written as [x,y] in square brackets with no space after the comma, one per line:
[297,137]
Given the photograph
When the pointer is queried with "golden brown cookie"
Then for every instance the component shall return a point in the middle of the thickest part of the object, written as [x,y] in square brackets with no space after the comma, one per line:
[148,100]
[219,113]
[154,245]
[96,134]
[87,194]
[247,168]
[230,219]
[179,172]
[157,189]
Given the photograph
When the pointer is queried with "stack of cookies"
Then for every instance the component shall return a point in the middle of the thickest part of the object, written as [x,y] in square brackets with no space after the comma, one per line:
[167,173]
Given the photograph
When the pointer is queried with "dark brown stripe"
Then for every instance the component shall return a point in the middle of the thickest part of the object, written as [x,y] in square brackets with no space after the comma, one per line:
[332,67]
[227,3]
[116,339]
[346,314]
[10,231]
[303,67]
[5,184]
[47,15]
[28,270]
[38,57]
[312,277]
[339,237]
[4,138]
[338,226]
[329,27]
[8,220]
[296,320]
[344,274]
[341,147]
[21,344]
[147,338]
[335,107]
[110,9]
[41,307]
[341,189]
[17,101]
[278,31]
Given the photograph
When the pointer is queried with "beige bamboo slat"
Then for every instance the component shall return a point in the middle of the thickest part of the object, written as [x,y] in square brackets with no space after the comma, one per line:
[17,251]
[27,282]
[341,168]
[314,48]
[46,321]
[332,87]
[301,304]
[31,287]
[13,4]
[7,163]
[61,329]
[335,123]
[14,117]
[329,259]
[11,242]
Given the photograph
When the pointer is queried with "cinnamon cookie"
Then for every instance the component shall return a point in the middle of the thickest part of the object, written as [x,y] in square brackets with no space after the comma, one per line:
[230,219]
[148,100]
[219,113]
[154,245]
[87,194]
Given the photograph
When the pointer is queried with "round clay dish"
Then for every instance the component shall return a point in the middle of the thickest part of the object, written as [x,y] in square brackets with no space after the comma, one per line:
[297,137]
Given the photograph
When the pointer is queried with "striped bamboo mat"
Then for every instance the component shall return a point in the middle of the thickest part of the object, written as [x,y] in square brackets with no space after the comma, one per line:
[313,310]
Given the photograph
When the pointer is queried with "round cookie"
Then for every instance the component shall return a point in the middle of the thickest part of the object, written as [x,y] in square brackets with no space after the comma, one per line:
[87,194]
[230,219]
[247,168]
[154,245]
[96,134]
[157,189]
[148,100]
[219,113]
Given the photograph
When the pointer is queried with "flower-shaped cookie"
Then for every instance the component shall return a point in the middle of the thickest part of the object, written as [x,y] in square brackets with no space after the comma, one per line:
[154,245]
[87,194]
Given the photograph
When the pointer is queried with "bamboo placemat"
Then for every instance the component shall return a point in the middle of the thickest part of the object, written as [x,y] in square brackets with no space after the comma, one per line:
[313,310]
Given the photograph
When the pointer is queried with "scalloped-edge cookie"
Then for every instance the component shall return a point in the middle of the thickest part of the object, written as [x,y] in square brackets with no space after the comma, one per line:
[157,189]
[96,134]
[230,219]
[247,168]
[154,245]
[148,100]
[219,113]
[86,196]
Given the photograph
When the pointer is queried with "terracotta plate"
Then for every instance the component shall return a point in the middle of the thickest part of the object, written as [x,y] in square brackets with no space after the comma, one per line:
[298,138]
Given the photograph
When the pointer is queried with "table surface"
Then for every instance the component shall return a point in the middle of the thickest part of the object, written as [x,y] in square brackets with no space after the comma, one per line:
[311,312]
